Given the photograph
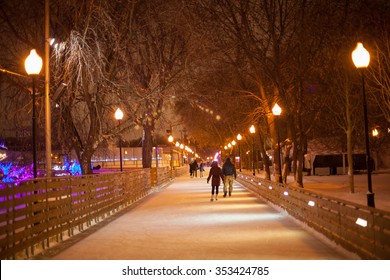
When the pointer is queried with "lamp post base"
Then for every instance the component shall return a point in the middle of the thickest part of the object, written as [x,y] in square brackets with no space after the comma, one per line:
[370,199]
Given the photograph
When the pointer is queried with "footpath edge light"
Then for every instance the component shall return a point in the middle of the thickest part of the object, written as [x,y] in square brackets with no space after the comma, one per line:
[252,130]
[361,59]
[277,111]
[119,117]
[33,65]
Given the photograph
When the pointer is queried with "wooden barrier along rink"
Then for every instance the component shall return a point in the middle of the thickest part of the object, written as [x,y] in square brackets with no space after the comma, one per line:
[334,218]
[37,213]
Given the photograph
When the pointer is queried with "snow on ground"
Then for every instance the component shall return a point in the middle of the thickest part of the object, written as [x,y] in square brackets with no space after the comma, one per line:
[180,222]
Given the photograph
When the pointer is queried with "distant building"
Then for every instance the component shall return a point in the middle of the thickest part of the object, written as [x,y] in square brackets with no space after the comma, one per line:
[325,156]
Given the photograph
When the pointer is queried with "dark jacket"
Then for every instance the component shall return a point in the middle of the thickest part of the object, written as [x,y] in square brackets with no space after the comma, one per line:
[228,169]
[194,166]
[216,174]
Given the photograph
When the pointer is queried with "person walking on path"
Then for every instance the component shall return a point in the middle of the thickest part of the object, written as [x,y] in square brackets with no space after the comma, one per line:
[194,169]
[229,174]
[201,169]
[216,175]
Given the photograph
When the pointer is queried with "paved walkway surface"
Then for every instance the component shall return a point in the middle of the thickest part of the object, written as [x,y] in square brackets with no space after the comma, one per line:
[181,223]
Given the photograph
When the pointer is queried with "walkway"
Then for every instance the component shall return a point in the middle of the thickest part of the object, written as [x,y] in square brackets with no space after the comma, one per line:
[181,223]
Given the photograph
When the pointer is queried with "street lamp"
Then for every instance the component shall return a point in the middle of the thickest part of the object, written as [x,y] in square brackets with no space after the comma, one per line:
[170,140]
[119,117]
[182,153]
[177,145]
[33,65]
[47,89]
[252,130]
[276,110]
[361,59]
[233,152]
[239,137]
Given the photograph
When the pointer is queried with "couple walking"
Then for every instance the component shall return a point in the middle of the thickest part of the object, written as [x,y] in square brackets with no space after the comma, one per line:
[227,174]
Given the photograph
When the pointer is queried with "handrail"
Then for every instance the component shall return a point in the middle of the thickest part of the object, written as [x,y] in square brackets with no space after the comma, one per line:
[359,229]
[37,213]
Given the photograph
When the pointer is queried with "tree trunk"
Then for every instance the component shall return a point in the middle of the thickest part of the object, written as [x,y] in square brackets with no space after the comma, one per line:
[147,147]
[349,139]
[265,159]
[300,159]
[287,161]
[85,163]
[277,163]
[299,146]
[350,160]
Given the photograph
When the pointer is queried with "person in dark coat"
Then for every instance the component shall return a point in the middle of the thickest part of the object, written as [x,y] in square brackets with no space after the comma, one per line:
[194,168]
[229,174]
[216,175]
[201,169]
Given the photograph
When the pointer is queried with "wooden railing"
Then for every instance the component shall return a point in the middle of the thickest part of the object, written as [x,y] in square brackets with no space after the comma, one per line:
[40,212]
[36,213]
[335,218]
[178,171]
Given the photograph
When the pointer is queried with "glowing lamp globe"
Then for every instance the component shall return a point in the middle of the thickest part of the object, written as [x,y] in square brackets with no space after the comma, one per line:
[33,63]
[276,110]
[360,56]
[118,114]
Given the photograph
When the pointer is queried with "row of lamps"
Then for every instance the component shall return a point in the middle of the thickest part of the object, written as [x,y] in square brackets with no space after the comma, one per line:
[276,110]
[360,57]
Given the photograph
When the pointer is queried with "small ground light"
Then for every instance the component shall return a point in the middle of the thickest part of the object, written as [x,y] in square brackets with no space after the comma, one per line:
[311,203]
[259,183]
[361,222]
[285,193]
[270,187]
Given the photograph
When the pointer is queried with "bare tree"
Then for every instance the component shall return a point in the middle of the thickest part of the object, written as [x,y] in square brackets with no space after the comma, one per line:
[21,29]
[345,109]
[88,60]
[155,60]
[379,74]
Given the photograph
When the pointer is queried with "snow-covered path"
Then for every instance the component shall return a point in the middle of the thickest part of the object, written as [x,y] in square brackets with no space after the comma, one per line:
[180,223]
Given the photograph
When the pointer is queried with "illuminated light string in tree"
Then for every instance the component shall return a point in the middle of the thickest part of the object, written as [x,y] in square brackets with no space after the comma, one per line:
[208,110]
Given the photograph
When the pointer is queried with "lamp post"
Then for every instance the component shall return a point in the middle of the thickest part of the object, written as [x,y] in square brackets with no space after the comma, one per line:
[361,59]
[119,117]
[33,65]
[177,145]
[239,137]
[276,110]
[233,151]
[252,130]
[170,140]
[47,89]
[182,153]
